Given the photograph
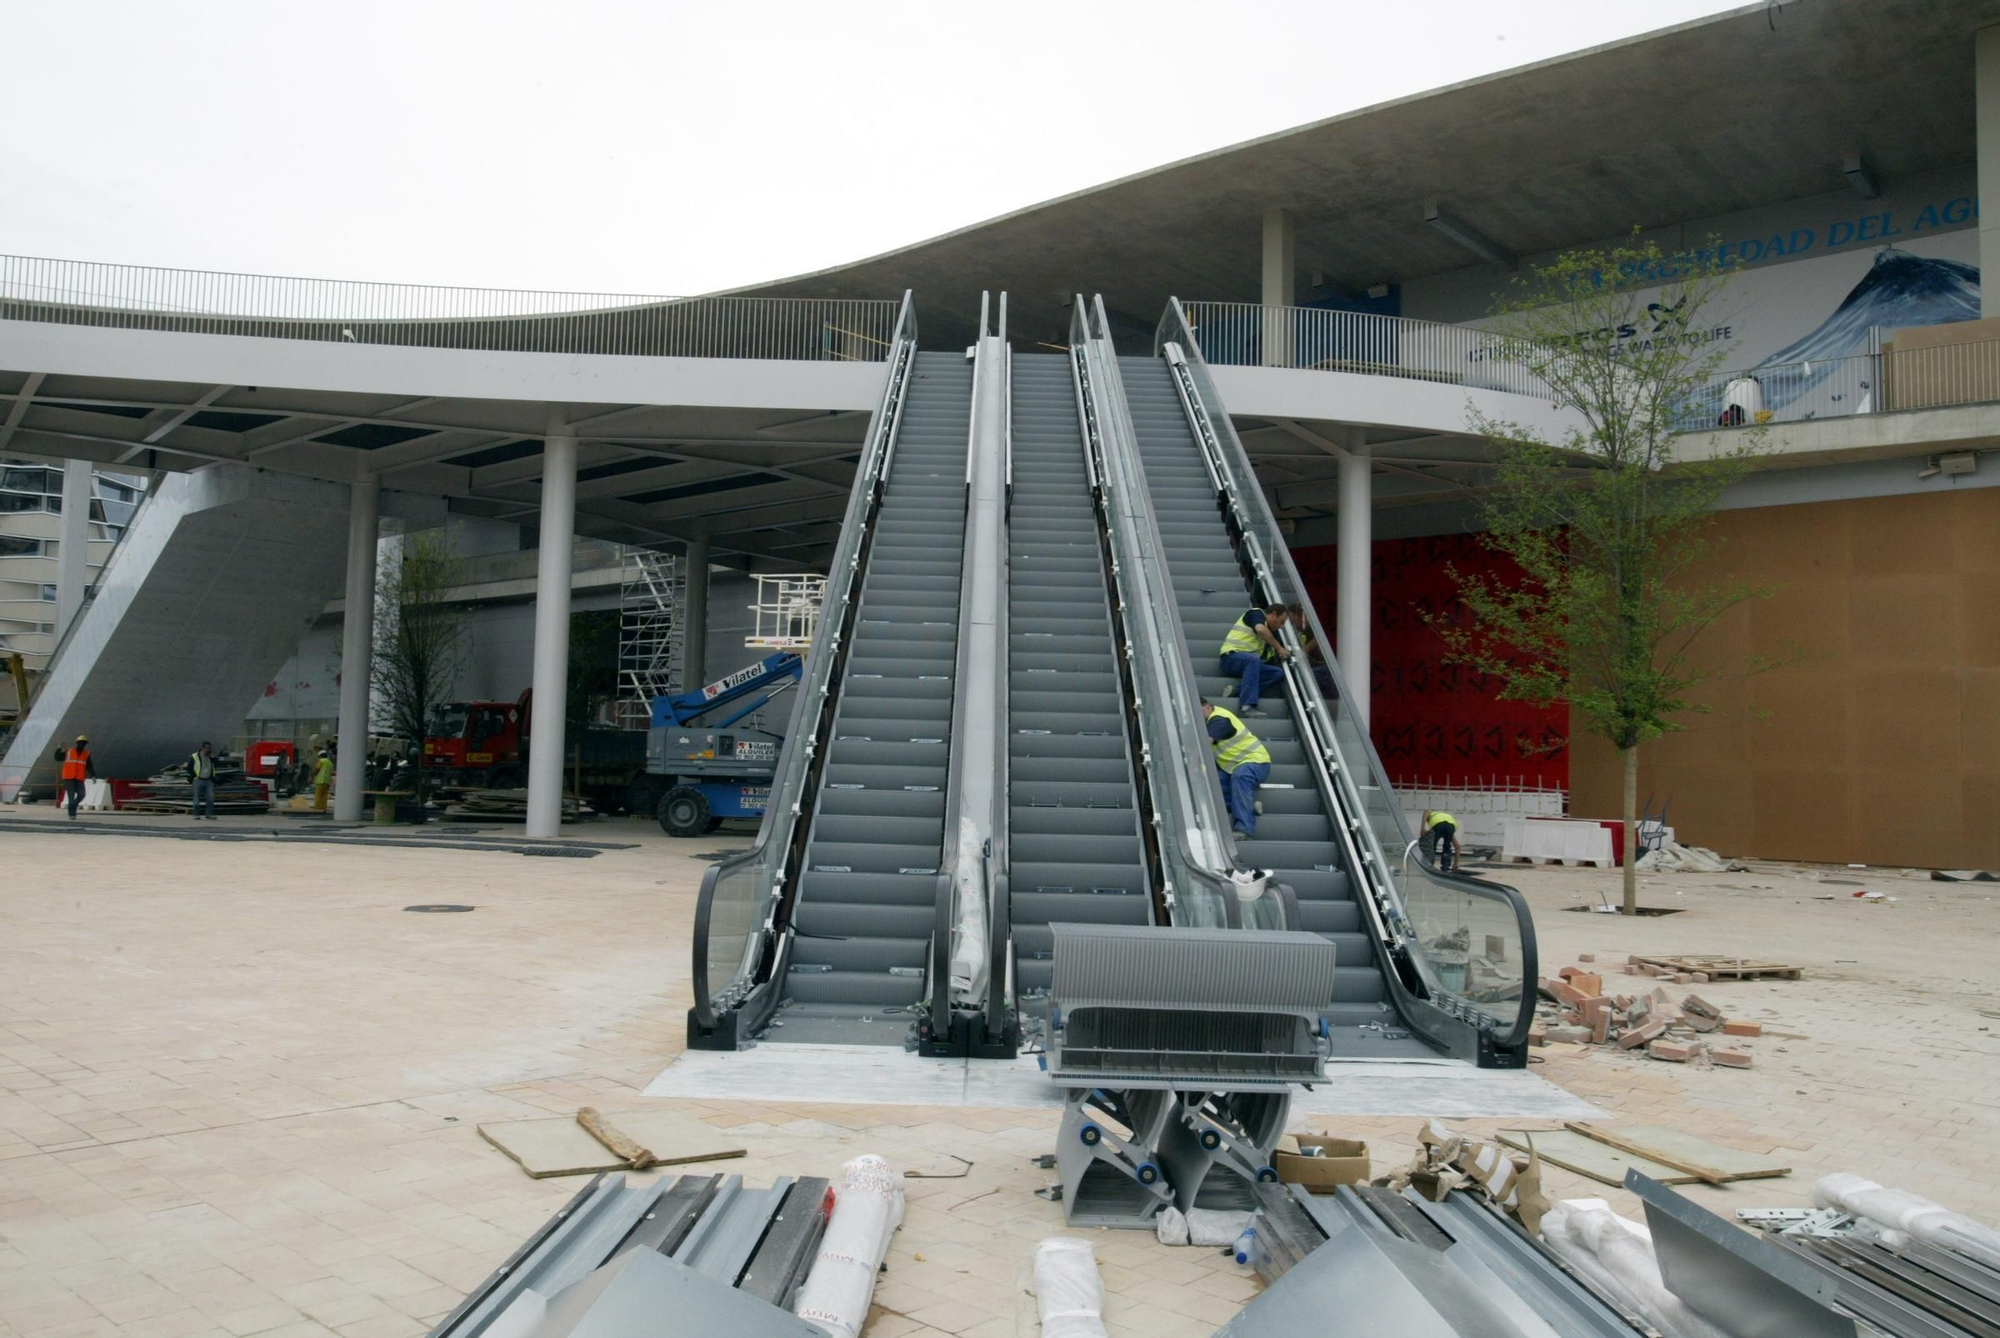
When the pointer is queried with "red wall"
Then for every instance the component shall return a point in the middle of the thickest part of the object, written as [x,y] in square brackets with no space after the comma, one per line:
[1432,722]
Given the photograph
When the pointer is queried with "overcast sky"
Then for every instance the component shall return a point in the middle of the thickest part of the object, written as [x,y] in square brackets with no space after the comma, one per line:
[653,146]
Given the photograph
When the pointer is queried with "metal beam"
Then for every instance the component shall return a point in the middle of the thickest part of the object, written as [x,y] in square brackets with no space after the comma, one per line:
[19,409]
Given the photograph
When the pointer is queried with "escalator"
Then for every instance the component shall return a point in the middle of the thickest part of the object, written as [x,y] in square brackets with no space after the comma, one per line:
[1295,835]
[868,879]
[1075,847]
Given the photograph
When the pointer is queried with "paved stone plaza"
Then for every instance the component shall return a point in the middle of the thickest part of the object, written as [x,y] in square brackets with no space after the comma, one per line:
[239,1083]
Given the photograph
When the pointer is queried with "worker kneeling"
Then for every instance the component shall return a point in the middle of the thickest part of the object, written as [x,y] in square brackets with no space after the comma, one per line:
[1252,654]
[1243,760]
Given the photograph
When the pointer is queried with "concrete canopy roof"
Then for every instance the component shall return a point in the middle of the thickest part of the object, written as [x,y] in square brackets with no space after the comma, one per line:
[1749,108]
[767,486]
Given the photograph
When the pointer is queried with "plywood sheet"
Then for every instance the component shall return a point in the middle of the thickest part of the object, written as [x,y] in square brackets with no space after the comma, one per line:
[561,1146]
[1733,1163]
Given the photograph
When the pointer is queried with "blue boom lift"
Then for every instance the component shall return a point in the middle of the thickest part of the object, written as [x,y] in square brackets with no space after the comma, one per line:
[707,772]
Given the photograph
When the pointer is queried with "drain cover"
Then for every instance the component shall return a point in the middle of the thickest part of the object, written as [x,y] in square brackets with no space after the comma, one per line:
[436,910]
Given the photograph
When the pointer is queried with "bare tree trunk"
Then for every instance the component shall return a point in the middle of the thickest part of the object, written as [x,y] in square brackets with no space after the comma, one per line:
[1632,830]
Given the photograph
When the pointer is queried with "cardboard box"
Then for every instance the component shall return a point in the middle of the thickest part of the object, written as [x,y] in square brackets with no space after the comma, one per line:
[1345,1162]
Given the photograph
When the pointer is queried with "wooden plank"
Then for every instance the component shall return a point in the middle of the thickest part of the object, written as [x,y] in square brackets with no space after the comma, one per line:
[1705,1174]
[605,1132]
[1726,968]
[1588,1157]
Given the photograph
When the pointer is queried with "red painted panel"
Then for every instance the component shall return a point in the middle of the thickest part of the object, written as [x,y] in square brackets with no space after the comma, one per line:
[1435,723]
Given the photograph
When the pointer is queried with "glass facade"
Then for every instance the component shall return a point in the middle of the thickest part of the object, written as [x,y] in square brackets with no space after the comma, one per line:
[28,493]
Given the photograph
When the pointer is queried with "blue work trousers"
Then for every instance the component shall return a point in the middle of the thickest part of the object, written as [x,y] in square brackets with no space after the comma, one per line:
[1239,791]
[1253,676]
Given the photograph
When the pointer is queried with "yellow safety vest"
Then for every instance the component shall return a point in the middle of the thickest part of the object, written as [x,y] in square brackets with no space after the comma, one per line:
[323,773]
[1238,748]
[1242,637]
[1436,818]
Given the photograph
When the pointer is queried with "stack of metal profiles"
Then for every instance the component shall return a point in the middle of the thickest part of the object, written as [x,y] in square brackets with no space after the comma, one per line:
[688,1254]
[1390,1263]
[1918,1289]
[1177,1050]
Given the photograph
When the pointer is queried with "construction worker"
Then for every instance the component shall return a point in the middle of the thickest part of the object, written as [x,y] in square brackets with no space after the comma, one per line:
[1251,653]
[322,780]
[1314,652]
[77,767]
[201,774]
[1243,760]
[1441,830]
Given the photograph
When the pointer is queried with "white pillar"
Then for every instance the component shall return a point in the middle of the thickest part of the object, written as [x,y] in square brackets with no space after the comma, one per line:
[1986,103]
[73,545]
[357,647]
[552,576]
[694,624]
[1280,269]
[1356,595]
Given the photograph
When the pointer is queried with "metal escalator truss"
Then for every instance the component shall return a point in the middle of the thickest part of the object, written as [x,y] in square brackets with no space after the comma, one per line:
[1193,881]
[744,912]
[1458,953]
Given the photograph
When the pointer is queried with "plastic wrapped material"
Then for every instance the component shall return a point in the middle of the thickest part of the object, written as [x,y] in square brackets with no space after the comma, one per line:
[1897,1210]
[1616,1256]
[970,966]
[1068,1289]
[867,1209]
[1201,1226]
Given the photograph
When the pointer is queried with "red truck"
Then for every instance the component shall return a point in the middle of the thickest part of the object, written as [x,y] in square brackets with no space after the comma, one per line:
[485,745]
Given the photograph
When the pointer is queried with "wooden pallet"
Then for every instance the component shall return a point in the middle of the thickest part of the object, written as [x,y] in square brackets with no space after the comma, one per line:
[1726,968]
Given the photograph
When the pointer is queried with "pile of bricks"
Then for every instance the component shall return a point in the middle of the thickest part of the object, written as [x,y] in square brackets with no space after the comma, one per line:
[1580,1011]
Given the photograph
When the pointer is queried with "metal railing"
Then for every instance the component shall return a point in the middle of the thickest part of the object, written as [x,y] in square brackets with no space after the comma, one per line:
[136,297]
[1246,334]
[741,912]
[1470,943]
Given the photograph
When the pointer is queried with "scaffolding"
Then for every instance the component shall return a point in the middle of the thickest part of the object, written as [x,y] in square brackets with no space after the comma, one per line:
[651,598]
[787,610]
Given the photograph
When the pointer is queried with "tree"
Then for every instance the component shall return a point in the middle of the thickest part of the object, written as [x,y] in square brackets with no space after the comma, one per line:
[420,637]
[1610,527]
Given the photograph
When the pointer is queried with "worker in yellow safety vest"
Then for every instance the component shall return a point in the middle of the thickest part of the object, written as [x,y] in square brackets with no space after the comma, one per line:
[322,781]
[1251,653]
[1441,833]
[1243,760]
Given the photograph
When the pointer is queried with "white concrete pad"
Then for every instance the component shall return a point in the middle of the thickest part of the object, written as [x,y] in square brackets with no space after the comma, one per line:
[873,1075]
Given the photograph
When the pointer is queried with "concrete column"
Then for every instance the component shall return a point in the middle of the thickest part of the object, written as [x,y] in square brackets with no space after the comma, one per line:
[1986,103]
[73,545]
[1280,269]
[546,745]
[694,617]
[1356,594]
[357,647]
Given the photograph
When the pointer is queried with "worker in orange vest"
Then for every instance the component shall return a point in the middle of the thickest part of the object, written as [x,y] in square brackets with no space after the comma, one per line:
[76,769]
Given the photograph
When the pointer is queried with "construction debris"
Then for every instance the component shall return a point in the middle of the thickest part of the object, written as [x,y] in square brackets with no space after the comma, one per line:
[172,791]
[1447,1160]
[1068,1288]
[505,806]
[1666,1155]
[637,1141]
[1579,1010]
[1672,857]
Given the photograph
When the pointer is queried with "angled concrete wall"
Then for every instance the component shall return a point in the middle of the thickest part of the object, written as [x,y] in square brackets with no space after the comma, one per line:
[221,572]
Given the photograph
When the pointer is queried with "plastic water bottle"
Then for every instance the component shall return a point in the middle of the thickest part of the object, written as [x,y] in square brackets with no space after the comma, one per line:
[1245,1243]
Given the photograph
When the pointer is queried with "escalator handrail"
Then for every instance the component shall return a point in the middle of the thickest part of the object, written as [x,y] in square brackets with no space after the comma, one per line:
[1184,759]
[1301,682]
[803,757]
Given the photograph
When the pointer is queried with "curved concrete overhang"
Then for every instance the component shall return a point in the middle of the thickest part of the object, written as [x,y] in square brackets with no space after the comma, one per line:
[1406,404]
[384,369]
